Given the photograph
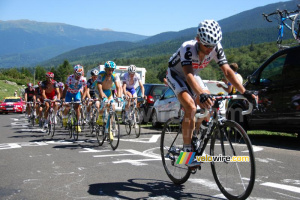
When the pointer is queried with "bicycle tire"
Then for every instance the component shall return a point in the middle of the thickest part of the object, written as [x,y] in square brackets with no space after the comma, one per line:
[170,148]
[70,125]
[92,123]
[234,179]
[137,123]
[100,134]
[128,127]
[114,130]
[75,130]
[51,124]
[296,27]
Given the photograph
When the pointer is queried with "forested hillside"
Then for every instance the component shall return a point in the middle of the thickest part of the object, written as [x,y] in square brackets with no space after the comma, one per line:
[248,57]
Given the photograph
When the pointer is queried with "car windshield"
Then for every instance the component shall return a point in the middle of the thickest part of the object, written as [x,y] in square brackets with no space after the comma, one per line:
[214,89]
[11,100]
[158,91]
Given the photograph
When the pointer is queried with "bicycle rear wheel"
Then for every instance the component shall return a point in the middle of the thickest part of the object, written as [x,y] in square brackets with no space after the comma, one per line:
[114,131]
[234,179]
[170,148]
[137,123]
[296,27]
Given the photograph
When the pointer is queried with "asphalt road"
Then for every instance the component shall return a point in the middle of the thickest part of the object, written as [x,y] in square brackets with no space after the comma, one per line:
[34,166]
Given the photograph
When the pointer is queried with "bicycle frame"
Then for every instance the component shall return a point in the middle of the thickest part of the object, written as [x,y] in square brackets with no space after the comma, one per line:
[284,15]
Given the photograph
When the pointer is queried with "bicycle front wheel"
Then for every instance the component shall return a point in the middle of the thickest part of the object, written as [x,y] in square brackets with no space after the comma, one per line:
[51,125]
[170,148]
[137,123]
[114,131]
[296,27]
[100,134]
[128,127]
[75,128]
[234,172]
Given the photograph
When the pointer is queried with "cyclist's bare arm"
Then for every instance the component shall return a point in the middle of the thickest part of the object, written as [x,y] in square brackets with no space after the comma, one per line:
[142,88]
[232,78]
[101,93]
[84,92]
[65,91]
[119,89]
[88,93]
[124,88]
[44,93]
[189,74]
[58,93]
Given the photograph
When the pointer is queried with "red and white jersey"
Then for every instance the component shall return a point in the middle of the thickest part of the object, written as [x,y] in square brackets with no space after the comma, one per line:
[187,54]
[75,85]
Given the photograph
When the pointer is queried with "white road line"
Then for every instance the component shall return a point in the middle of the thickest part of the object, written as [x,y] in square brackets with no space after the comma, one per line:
[111,155]
[134,161]
[283,187]
[289,196]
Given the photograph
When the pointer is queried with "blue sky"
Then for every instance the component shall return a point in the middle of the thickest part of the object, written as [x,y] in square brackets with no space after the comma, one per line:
[145,17]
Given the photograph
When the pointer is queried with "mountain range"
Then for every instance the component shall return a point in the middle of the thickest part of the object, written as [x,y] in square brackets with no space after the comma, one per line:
[28,43]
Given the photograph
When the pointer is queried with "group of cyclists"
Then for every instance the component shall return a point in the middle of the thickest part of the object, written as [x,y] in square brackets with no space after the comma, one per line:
[182,77]
[103,86]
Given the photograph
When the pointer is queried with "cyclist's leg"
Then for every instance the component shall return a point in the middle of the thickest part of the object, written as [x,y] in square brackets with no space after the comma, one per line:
[66,109]
[47,106]
[128,103]
[184,95]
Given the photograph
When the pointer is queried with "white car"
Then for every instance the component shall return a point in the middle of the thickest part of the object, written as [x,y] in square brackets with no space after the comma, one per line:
[168,105]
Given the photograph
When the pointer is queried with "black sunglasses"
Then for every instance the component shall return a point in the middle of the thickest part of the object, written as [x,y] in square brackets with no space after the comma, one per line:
[209,46]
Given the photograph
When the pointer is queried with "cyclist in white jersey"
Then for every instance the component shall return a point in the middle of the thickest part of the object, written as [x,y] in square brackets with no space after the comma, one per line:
[74,84]
[130,80]
[182,74]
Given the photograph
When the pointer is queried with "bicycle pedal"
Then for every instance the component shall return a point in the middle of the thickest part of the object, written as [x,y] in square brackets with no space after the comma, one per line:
[193,171]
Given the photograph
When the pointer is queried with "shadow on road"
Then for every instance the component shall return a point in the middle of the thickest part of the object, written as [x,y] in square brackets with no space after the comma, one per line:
[144,189]
[276,141]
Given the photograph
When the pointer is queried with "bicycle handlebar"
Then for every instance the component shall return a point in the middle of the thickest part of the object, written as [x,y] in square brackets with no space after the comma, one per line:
[219,98]
[281,13]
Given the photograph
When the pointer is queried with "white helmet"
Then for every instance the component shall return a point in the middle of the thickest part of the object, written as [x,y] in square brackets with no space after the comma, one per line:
[209,32]
[132,69]
[94,72]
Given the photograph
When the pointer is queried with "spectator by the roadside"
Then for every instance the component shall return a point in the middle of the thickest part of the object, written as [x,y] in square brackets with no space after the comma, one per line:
[16,93]
[230,89]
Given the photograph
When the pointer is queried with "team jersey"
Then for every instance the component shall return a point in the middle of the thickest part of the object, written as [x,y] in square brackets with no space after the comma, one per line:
[51,94]
[114,76]
[75,85]
[126,79]
[38,92]
[92,86]
[187,54]
[30,93]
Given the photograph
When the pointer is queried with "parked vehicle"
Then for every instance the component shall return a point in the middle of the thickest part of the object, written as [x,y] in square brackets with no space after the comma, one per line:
[153,92]
[168,105]
[12,104]
[277,82]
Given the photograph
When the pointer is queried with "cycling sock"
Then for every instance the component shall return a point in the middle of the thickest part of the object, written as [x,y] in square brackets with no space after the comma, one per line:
[187,147]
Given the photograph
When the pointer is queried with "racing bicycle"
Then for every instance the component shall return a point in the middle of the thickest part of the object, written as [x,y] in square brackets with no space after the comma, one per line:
[290,20]
[51,117]
[32,116]
[227,139]
[72,122]
[134,120]
[110,130]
